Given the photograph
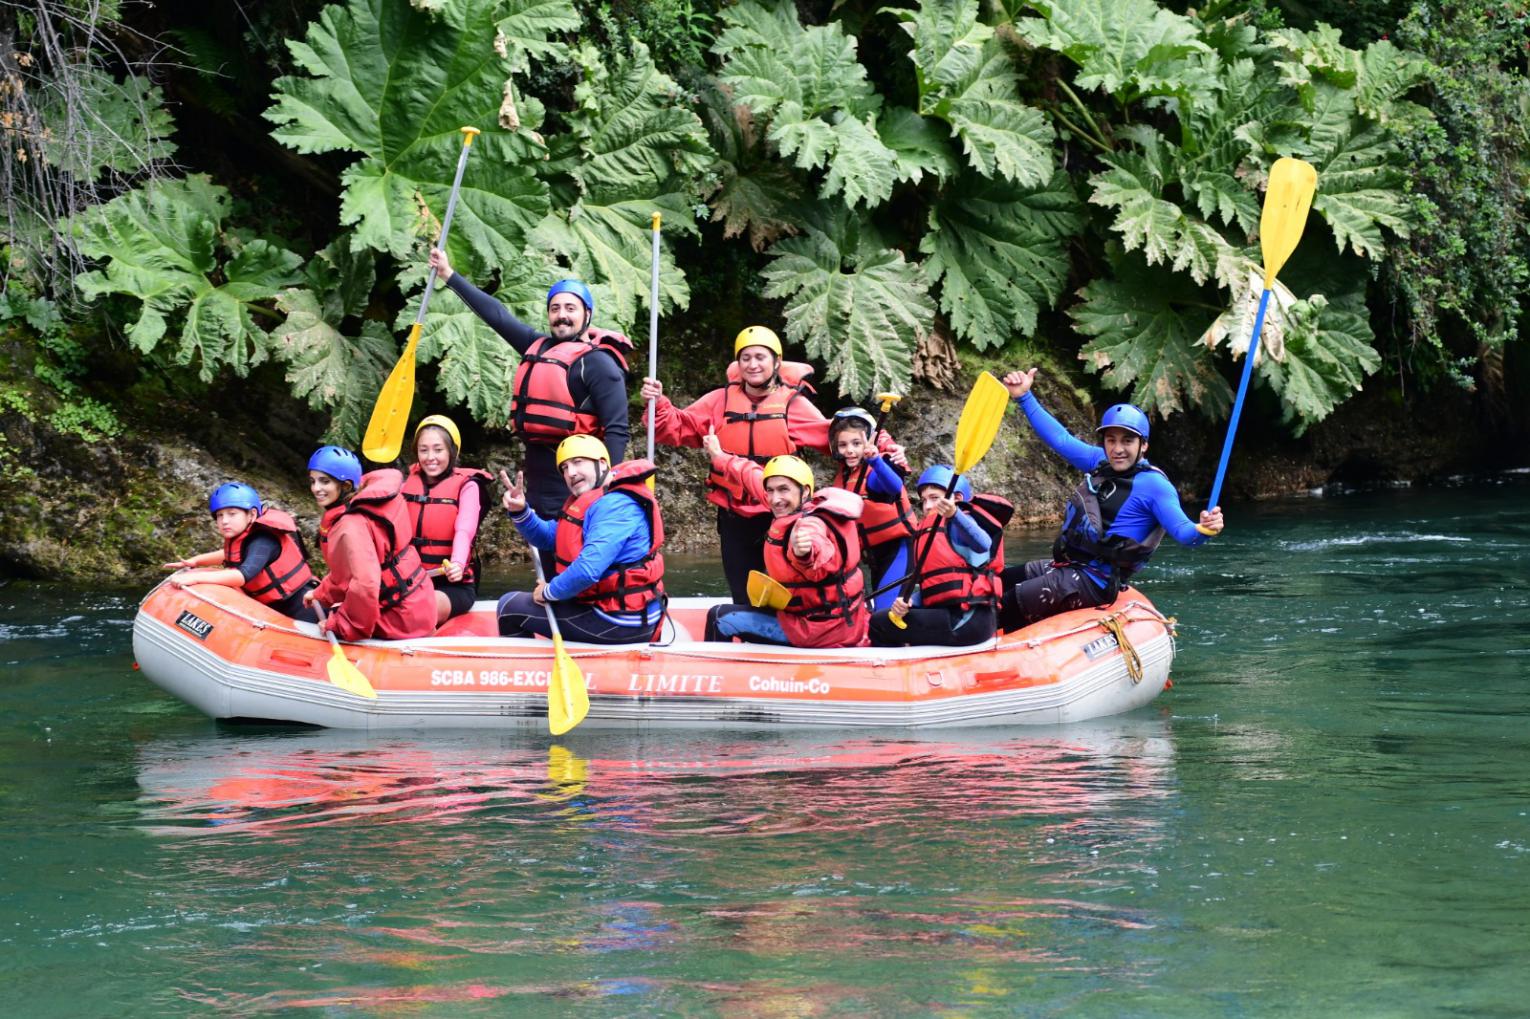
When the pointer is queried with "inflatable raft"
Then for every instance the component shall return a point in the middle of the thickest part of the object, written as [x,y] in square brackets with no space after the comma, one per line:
[232,658]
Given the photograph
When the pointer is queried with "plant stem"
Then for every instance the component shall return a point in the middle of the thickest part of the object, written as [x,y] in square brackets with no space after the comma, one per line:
[1098,135]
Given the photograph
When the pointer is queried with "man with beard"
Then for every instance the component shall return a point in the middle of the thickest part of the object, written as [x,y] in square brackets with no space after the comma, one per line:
[572,380]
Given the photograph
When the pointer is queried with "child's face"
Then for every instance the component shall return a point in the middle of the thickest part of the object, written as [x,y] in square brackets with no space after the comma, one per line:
[325,489]
[433,452]
[851,445]
[231,522]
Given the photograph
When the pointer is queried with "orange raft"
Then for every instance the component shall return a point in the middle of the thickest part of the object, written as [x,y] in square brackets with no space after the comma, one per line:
[231,657]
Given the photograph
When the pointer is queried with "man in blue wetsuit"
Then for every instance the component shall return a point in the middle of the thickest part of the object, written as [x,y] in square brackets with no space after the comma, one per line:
[572,380]
[609,585]
[1114,519]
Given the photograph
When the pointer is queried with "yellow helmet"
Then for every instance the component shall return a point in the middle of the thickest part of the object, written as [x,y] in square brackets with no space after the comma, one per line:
[442,422]
[757,336]
[789,467]
[583,446]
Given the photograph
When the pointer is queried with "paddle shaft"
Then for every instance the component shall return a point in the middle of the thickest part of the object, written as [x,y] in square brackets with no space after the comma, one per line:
[1232,424]
[446,225]
[653,331]
[552,620]
[911,579]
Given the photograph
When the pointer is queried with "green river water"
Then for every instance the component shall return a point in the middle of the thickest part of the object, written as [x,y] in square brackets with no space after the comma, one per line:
[1329,814]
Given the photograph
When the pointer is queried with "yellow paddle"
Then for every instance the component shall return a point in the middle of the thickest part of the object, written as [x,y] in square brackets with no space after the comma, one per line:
[1286,202]
[568,699]
[341,672]
[975,432]
[765,592]
[390,414]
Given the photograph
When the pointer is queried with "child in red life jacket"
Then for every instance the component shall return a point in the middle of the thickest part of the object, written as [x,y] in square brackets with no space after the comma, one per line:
[376,584]
[887,517]
[959,549]
[262,553]
[446,506]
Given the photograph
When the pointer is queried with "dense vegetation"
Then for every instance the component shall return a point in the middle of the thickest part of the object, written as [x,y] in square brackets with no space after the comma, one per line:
[196,190]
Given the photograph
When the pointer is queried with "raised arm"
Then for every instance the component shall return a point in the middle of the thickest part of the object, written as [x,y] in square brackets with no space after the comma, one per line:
[494,314]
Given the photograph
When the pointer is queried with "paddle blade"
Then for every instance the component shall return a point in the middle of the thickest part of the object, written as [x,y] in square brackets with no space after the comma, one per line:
[390,414]
[980,421]
[568,699]
[346,676]
[766,593]
[1286,202]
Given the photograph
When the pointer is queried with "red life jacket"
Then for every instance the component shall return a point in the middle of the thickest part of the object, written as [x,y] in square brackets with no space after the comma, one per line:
[831,611]
[625,587]
[757,428]
[948,579]
[881,521]
[435,513]
[387,515]
[283,576]
[541,407]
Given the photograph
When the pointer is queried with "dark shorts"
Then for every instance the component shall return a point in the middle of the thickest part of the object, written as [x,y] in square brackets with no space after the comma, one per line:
[293,607]
[460,596]
[1038,589]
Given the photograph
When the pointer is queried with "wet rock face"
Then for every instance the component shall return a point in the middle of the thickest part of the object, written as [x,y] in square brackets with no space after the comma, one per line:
[112,512]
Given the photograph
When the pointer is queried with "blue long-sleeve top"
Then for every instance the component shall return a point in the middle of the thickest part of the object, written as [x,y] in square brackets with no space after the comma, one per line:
[1153,502]
[970,542]
[615,531]
[882,479]
[596,382]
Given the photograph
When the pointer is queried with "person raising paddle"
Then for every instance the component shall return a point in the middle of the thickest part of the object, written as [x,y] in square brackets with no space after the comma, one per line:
[1113,522]
[572,380]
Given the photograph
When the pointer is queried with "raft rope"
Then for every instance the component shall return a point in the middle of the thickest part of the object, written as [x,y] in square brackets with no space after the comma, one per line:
[1114,623]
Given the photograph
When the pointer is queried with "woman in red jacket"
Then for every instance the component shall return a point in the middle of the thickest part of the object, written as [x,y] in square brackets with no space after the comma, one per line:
[376,584]
[763,411]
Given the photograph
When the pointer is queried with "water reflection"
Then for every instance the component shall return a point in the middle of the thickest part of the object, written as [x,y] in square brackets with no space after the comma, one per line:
[771,862]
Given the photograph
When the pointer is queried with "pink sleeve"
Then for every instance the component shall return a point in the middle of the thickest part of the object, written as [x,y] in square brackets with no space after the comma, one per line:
[676,426]
[749,475]
[467,524]
[807,426]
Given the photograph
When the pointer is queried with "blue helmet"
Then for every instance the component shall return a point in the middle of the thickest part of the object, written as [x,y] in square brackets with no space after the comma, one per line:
[234,495]
[940,475]
[575,287]
[1124,415]
[340,464]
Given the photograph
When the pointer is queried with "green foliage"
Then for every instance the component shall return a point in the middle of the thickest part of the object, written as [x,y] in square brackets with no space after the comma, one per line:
[393,85]
[1142,321]
[1185,194]
[1130,49]
[162,246]
[807,85]
[1462,277]
[855,303]
[997,252]
[967,80]
[334,371]
[629,149]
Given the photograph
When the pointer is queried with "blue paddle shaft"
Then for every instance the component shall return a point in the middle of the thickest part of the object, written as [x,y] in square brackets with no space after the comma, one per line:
[1232,424]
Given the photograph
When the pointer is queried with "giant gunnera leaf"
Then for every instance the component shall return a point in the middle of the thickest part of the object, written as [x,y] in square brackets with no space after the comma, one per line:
[856,304]
[393,85]
[163,246]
